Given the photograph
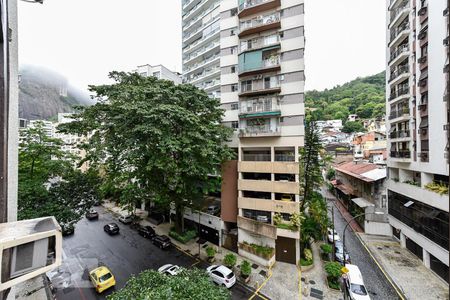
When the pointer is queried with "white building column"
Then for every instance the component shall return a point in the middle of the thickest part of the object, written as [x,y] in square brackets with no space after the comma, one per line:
[426,258]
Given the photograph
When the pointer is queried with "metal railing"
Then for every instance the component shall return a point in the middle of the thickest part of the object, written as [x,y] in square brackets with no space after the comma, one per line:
[259,21]
[402,49]
[202,63]
[400,134]
[399,71]
[402,90]
[259,42]
[398,113]
[396,11]
[401,154]
[284,157]
[272,61]
[259,105]
[256,157]
[396,31]
[251,3]
[261,129]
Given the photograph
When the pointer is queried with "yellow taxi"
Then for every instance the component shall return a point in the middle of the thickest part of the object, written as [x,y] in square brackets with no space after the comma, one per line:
[102,279]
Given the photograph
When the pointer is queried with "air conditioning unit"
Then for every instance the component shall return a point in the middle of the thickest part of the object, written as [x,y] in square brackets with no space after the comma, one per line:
[33,246]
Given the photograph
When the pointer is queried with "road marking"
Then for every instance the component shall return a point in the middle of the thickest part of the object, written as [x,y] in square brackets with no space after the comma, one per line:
[380,267]
[256,293]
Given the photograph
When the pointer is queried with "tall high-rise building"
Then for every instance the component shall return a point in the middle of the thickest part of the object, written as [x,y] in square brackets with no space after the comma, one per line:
[250,53]
[416,75]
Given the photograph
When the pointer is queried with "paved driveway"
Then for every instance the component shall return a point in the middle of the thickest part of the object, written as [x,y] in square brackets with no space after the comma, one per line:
[125,254]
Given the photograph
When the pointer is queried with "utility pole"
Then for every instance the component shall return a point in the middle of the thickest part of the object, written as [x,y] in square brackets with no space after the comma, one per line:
[332,218]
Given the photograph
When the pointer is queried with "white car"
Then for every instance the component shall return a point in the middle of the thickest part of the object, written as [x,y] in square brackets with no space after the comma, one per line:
[169,269]
[126,219]
[221,275]
[354,283]
[330,233]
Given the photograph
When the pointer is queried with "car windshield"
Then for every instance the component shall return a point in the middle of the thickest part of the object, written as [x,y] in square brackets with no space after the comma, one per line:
[104,277]
[231,275]
[358,289]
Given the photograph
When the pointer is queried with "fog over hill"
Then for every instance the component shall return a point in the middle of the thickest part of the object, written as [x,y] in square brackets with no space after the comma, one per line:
[44,93]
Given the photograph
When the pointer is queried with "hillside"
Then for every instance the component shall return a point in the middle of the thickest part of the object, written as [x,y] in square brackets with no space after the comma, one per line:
[362,96]
[44,93]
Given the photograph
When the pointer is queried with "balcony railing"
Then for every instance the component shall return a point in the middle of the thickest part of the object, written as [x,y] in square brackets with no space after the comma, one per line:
[209,84]
[259,105]
[398,113]
[202,63]
[401,154]
[203,74]
[396,31]
[399,134]
[259,130]
[257,157]
[200,51]
[259,21]
[396,11]
[259,42]
[399,71]
[251,3]
[402,90]
[284,157]
[259,85]
[402,49]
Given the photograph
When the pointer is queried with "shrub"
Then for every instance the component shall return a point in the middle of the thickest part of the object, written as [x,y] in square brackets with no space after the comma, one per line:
[411,182]
[441,189]
[333,270]
[229,260]
[308,254]
[330,174]
[184,237]
[326,248]
[304,263]
[295,221]
[246,268]
[277,219]
[210,251]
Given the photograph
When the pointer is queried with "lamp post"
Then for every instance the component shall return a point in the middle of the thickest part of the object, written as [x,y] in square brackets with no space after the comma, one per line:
[351,220]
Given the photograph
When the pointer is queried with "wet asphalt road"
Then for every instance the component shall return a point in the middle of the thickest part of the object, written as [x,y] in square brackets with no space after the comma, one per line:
[376,283]
[125,254]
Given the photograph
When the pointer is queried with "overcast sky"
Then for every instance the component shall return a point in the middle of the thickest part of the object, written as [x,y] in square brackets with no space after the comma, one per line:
[85,39]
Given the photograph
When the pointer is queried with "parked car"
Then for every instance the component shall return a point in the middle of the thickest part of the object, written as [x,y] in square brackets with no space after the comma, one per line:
[102,279]
[126,219]
[67,229]
[92,214]
[221,275]
[330,233]
[354,283]
[213,210]
[111,228]
[169,269]
[162,241]
[146,231]
[286,197]
[339,252]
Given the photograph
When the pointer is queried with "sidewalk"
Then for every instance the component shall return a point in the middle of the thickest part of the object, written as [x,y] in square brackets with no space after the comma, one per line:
[406,270]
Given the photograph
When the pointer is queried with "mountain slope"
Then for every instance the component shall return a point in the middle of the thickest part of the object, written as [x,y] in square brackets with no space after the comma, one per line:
[362,96]
[44,93]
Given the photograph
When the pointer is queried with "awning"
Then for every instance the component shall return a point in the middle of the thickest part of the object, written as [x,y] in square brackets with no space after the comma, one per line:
[345,189]
[361,202]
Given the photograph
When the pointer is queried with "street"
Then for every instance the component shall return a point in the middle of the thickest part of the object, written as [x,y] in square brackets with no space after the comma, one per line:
[124,254]
[376,283]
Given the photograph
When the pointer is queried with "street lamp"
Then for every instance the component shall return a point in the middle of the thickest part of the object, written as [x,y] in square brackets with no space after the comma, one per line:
[348,223]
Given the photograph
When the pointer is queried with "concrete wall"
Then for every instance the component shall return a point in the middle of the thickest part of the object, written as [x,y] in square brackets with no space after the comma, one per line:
[229,204]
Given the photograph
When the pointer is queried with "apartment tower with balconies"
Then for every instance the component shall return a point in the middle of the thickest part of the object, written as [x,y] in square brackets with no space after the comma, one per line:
[262,85]
[417,124]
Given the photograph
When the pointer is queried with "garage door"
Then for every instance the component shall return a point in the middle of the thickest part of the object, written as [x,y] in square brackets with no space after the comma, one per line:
[285,250]
[209,234]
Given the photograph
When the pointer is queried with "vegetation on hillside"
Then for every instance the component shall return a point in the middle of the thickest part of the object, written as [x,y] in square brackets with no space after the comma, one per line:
[362,96]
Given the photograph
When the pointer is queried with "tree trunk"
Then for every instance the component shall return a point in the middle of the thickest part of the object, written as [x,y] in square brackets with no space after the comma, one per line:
[179,218]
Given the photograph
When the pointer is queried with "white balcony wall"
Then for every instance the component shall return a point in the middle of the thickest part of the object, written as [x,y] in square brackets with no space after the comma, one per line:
[292,87]
[293,65]
[292,44]
[292,22]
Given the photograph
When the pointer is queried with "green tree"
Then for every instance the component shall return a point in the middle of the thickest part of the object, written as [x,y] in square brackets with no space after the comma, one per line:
[48,183]
[160,137]
[189,284]
[350,127]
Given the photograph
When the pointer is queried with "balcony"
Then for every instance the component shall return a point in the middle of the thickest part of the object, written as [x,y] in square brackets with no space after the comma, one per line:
[259,63]
[209,61]
[268,85]
[399,13]
[401,113]
[251,7]
[400,134]
[397,34]
[260,108]
[259,131]
[259,24]
[402,154]
[254,226]
[401,92]
[398,55]
[400,73]
[284,187]
[203,75]
[259,43]
[268,167]
[286,207]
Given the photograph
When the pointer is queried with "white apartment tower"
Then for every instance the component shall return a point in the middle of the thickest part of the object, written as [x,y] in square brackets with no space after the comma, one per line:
[416,75]
[158,71]
[257,61]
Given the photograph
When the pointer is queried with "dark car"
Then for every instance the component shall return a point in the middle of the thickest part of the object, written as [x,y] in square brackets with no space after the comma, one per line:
[162,241]
[92,214]
[339,252]
[111,228]
[146,231]
[67,229]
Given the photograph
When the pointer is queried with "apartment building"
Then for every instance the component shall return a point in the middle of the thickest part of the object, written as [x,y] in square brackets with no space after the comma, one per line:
[158,71]
[416,75]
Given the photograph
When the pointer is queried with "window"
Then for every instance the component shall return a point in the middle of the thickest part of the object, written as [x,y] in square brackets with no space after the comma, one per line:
[234,88]
[234,50]
[234,12]
[233,69]
[234,106]
[235,124]
[157,74]
[281,119]
[143,74]
[232,32]
[246,85]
